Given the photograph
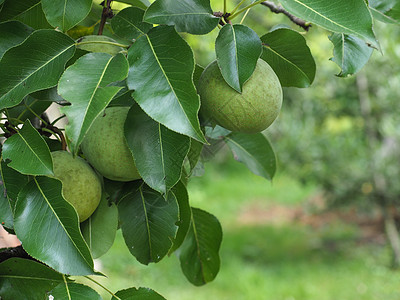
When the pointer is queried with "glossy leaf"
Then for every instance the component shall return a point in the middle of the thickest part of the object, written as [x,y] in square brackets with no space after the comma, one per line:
[137,294]
[387,11]
[12,33]
[48,227]
[138,3]
[238,48]
[192,16]
[26,279]
[48,95]
[255,151]
[342,16]
[167,93]
[287,53]
[100,229]
[65,14]
[350,53]
[148,223]
[116,190]
[13,182]
[159,152]
[73,291]
[199,253]
[28,12]
[185,215]
[30,67]
[123,98]
[28,152]
[6,214]
[129,24]
[85,85]
[99,43]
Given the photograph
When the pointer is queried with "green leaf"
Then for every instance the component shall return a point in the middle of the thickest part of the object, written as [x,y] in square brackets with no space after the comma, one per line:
[48,95]
[116,190]
[342,16]
[6,214]
[100,229]
[138,294]
[350,53]
[12,33]
[13,182]
[28,12]
[192,16]
[48,227]
[159,152]
[199,253]
[139,3]
[129,24]
[28,109]
[255,151]
[85,85]
[65,14]
[198,70]
[30,67]
[185,215]
[99,43]
[28,152]
[194,154]
[288,55]
[123,97]
[167,93]
[148,223]
[238,48]
[26,279]
[73,291]
[387,11]
[79,31]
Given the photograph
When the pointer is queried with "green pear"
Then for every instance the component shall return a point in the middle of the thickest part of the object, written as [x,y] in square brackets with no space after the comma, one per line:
[105,146]
[80,184]
[251,111]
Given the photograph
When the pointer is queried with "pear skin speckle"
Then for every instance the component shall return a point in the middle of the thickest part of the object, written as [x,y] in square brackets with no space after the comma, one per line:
[251,111]
[106,149]
[81,186]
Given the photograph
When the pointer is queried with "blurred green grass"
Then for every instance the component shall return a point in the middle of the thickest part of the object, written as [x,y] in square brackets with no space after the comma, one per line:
[263,261]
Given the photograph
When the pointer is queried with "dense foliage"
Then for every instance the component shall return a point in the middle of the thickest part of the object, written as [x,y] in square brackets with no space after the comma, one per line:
[83,57]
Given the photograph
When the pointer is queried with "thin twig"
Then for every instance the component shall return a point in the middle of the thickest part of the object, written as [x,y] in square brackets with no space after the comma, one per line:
[280,10]
[61,135]
[107,13]
[234,15]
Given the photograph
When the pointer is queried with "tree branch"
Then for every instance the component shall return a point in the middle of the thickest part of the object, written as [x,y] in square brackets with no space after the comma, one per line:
[107,13]
[280,10]
[14,252]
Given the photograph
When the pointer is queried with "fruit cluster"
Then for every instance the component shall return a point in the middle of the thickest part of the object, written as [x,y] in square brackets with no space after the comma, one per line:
[106,149]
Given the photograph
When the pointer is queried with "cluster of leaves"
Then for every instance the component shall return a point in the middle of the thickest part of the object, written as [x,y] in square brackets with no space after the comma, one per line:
[49,56]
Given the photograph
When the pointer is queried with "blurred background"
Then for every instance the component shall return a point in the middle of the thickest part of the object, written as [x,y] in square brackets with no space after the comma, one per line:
[325,228]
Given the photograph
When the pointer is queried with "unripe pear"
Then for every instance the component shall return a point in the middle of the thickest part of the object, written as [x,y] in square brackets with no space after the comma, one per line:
[81,186]
[251,111]
[105,146]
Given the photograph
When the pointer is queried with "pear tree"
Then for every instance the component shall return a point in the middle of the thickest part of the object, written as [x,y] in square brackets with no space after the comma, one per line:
[136,113]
